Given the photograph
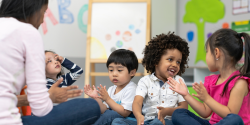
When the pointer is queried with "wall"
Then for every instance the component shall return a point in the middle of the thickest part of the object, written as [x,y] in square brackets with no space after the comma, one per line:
[61,37]
[183,28]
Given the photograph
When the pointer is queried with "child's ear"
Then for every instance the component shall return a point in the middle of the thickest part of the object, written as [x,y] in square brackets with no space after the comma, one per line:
[132,72]
[217,53]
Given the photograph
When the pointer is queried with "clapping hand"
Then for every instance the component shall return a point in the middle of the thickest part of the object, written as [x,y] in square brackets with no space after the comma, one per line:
[103,93]
[180,88]
[90,92]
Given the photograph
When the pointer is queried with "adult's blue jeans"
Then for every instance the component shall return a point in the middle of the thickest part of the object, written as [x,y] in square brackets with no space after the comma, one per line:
[123,121]
[107,117]
[185,117]
[79,111]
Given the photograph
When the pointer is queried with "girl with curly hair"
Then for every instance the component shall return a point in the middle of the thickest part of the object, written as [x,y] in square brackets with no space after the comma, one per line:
[165,56]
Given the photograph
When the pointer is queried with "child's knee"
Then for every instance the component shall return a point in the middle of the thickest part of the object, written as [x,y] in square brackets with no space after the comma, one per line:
[234,118]
[178,111]
[117,121]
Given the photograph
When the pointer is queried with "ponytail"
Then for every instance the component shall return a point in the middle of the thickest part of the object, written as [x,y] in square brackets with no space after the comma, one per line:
[245,69]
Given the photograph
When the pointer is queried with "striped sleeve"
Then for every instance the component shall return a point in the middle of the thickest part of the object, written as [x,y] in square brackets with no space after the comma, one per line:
[73,75]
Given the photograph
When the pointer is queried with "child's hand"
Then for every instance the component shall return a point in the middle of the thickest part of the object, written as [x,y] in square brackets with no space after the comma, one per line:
[160,115]
[59,58]
[90,92]
[103,93]
[180,88]
[140,120]
[201,91]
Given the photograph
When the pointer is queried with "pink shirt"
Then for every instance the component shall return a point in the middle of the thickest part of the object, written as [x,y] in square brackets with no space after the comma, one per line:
[22,62]
[216,90]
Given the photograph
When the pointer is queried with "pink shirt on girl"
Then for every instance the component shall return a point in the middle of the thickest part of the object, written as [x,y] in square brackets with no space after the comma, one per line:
[22,61]
[215,92]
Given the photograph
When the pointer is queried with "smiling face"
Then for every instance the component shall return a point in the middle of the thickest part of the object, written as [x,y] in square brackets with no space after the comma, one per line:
[53,66]
[119,75]
[169,64]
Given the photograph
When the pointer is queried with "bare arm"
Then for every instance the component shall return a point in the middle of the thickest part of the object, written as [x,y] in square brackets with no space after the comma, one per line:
[118,108]
[200,108]
[137,109]
[22,100]
[238,92]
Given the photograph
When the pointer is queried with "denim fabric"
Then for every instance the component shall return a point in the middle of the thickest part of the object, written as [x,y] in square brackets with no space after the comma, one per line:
[73,112]
[185,117]
[123,121]
[107,117]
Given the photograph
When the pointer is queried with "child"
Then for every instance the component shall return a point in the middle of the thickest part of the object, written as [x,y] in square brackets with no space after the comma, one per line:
[54,69]
[122,65]
[224,95]
[165,56]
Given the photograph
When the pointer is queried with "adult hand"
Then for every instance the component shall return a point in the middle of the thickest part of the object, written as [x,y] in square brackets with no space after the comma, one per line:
[140,120]
[201,91]
[103,93]
[180,88]
[160,115]
[59,95]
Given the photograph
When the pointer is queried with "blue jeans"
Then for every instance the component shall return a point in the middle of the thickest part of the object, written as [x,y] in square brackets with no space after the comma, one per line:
[107,117]
[79,111]
[185,117]
[123,121]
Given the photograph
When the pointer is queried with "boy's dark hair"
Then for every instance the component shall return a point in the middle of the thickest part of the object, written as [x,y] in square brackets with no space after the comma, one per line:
[62,72]
[157,47]
[124,57]
[20,9]
[231,44]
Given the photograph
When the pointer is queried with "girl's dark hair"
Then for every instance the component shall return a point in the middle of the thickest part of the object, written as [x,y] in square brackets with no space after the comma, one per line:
[157,47]
[231,44]
[124,57]
[20,9]
[62,72]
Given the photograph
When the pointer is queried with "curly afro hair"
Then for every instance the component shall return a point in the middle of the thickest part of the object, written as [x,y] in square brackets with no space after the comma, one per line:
[157,47]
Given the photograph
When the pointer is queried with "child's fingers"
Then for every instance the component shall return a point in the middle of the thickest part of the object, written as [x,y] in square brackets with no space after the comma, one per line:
[101,86]
[201,84]
[197,90]
[196,95]
[94,87]
[181,82]
[171,84]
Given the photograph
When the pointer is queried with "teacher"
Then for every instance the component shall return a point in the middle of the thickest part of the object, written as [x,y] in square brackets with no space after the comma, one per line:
[23,62]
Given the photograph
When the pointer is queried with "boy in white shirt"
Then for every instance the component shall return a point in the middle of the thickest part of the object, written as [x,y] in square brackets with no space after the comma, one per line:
[165,56]
[122,65]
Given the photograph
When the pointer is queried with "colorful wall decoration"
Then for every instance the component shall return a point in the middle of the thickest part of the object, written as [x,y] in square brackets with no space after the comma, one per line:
[241,6]
[121,26]
[200,12]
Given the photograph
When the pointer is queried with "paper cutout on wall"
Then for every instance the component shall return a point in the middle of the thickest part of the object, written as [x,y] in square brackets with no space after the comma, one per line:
[208,35]
[241,6]
[190,36]
[119,44]
[225,25]
[51,17]
[241,26]
[127,36]
[117,32]
[97,49]
[108,37]
[82,26]
[65,15]
[193,15]
[131,27]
